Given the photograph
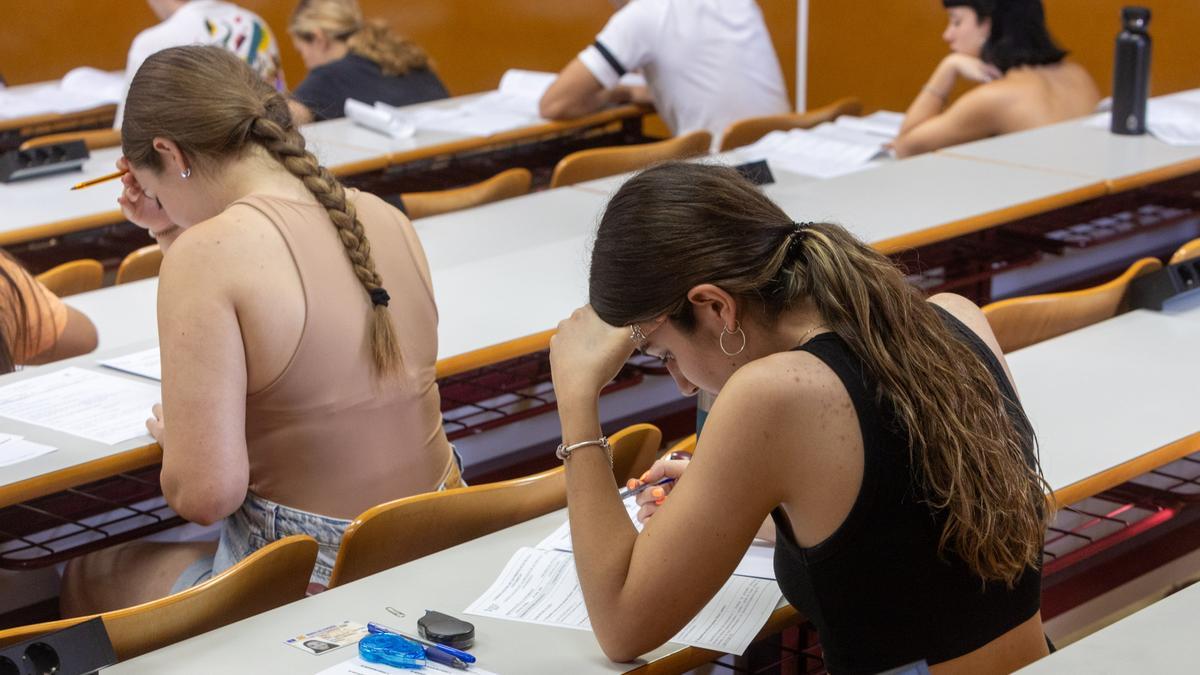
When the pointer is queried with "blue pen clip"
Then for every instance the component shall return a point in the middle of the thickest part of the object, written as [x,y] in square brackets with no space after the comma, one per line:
[431,647]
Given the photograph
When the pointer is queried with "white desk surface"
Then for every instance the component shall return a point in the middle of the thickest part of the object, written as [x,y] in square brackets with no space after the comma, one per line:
[1159,639]
[72,451]
[447,581]
[1111,392]
[123,315]
[608,185]
[450,580]
[1072,148]
[930,198]
[48,200]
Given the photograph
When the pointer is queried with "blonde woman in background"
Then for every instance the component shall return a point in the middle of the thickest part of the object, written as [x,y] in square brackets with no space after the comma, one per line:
[348,57]
[297,391]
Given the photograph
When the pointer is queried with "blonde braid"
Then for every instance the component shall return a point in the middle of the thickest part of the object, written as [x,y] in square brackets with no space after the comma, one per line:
[287,146]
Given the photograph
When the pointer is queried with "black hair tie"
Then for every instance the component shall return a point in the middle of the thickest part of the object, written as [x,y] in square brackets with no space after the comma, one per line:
[379,297]
[798,234]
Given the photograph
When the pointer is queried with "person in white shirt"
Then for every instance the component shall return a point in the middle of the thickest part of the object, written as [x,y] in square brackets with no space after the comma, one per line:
[210,22]
[707,64]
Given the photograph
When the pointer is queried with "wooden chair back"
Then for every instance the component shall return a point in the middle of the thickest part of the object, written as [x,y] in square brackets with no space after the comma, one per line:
[141,264]
[77,276]
[1020,322]
[506,184]
[585,165]
[403,530]
[1186,252]
[272,576]
[747,131]
[94,139]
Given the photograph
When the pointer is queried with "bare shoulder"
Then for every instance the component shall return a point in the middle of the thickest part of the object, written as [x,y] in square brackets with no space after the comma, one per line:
[234,241]
[781,385]
[969,314]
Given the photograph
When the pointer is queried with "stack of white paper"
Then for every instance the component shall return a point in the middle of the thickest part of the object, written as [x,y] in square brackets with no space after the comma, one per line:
[883,123]
[758,562]
[379,117]
[541,587]
[15,449]
[146,363]
[99,407]
[824,151]
[1174,119]
[80,89]
[512,106]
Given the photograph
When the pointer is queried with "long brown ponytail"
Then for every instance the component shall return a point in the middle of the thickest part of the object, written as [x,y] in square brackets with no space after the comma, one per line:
[214,107]
[678,225]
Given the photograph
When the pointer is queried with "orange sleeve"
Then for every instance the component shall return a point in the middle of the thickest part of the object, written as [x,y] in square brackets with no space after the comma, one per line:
[31,317]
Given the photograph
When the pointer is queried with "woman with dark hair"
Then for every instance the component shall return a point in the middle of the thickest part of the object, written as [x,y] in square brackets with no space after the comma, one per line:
[350,57]
[1026,80]
[879,431]
[35,326]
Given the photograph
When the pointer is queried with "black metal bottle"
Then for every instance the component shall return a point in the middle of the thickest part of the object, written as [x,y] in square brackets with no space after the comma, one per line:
[1131,73]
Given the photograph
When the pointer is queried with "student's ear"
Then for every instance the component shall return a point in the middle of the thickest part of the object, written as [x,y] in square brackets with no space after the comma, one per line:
[173,159]
[713,307]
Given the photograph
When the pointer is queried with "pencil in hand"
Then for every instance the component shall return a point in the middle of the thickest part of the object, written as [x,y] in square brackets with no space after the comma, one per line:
[101,179]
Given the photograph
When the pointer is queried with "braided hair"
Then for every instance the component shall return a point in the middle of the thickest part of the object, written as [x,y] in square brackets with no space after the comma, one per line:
[213,106]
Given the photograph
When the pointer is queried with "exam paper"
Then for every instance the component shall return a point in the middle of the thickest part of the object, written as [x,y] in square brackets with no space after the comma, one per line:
[356,666]
[92,405]
[80,89]
[144,363]
[824,151]
[14,449]
[1174,119]
[883,123]
[758,562]
[541,587]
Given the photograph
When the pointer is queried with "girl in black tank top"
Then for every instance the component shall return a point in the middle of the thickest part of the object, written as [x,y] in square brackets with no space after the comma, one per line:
[877,590]
[881,424]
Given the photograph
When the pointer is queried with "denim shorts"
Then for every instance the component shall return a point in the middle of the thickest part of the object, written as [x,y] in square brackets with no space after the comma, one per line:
[260,521]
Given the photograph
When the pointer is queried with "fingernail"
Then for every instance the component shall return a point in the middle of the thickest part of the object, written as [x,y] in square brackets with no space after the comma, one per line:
[659,502]
[645,476]
[658,492]
[631,483]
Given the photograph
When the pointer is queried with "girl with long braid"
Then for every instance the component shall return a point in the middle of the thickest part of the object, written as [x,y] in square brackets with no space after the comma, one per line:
[297,326]
[878,430]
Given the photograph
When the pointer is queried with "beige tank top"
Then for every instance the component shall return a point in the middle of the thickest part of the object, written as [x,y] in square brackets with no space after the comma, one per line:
[327,436]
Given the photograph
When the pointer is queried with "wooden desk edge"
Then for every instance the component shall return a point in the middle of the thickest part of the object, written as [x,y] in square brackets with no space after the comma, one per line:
[475,143]
[74,476]
[494,354]
[17,123]
[990,219]
[48,230]
[1153,176]
[1093,485]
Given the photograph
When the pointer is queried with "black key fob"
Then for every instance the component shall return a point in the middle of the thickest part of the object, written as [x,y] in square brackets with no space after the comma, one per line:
[447,630]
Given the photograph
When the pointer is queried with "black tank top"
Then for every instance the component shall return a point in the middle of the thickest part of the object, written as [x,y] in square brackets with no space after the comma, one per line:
[877,590]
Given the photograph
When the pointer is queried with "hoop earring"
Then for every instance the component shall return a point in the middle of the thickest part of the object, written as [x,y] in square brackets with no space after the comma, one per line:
[186,173]
[737,330]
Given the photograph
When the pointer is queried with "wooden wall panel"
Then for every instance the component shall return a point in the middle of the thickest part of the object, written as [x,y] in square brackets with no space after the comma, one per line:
[884,50]
[472,42]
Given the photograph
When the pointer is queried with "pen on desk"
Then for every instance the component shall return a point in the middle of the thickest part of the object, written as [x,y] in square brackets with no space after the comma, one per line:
[625,494]
[443,652]
[101,179]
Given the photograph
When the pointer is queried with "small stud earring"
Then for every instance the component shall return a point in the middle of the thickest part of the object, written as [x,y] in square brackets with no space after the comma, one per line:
[186,173]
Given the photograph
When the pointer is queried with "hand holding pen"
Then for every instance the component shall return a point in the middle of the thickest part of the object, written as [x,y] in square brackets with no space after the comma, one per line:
[655,485]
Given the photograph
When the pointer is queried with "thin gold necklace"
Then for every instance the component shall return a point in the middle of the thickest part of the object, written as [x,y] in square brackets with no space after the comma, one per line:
[808,332]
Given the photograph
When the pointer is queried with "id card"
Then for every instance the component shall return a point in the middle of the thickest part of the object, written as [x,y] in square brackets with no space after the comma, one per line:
[329,637]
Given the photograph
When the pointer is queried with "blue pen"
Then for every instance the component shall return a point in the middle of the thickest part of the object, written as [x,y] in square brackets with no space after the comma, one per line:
[624,494]
[433,650]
